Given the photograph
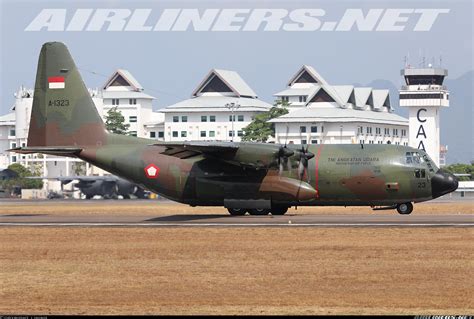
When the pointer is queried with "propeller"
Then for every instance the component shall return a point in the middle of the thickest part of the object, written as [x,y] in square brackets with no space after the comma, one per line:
[283,154]
[304,157]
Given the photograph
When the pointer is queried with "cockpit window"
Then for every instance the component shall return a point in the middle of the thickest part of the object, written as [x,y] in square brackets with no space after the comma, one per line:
[414,157]
[428,162]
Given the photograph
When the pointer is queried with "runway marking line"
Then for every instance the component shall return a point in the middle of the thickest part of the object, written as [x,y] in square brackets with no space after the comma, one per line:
[236,224]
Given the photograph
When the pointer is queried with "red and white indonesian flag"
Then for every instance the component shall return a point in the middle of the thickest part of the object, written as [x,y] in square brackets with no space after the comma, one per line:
[56,82]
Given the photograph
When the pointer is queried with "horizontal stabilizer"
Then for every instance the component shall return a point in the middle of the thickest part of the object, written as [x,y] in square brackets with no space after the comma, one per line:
[59,151]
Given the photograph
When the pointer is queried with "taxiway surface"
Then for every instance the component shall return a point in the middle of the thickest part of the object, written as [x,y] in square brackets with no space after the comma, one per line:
[112,220]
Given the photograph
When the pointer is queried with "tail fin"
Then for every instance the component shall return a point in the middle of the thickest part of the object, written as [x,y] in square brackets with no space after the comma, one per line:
[63,112]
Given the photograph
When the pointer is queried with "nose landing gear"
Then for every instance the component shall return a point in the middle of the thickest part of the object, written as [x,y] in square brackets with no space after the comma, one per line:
[405,208]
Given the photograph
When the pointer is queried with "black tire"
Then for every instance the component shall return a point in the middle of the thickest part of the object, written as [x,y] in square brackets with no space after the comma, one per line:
[89,196]
[405,208]
[279,210]
[237,211]
[259,211]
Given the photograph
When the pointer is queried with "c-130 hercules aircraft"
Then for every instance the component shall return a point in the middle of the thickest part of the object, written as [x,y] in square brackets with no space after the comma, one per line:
[256,178]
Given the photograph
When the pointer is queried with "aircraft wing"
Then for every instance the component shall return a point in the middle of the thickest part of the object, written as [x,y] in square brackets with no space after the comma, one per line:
[190,149]
[255,155]
[68,179]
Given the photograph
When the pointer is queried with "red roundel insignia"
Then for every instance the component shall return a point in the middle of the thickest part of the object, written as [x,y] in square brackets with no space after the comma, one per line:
[152,171]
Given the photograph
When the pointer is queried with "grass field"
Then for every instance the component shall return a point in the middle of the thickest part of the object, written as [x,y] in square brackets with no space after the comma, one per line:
[236,271]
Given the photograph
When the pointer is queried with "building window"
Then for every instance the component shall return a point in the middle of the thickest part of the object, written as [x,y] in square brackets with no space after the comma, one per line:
[314,129]
[395,132]
[161,134]
[369,130]
[304,142]
[175,119]
[212,118]
[184,133]
[13,159]
[404,132]
[377,130]
[302,98]
[322,129]
[12,132]
[132,101]
[212,133]
[115,101]
[231,118]
[361,129]
[240,133]
[314,141]
[175,133]
[387,131]
[285,99]
[13,145]
[302,129]
[133,133]
[231,133]
[152,134]
[203,118]
[132,119]
[361,142]
[184,118]
[240,118]
[203,133]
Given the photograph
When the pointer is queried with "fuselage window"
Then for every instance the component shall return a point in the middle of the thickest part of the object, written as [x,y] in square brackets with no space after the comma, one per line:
[417,173]
[420,173]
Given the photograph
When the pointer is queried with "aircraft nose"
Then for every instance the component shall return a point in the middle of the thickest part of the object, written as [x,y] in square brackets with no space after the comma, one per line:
[442,183]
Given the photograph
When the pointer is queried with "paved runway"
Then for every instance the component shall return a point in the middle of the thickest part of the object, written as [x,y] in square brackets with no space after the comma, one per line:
[101,220]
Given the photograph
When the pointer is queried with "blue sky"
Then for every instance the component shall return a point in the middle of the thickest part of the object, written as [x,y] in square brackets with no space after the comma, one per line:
[170,64]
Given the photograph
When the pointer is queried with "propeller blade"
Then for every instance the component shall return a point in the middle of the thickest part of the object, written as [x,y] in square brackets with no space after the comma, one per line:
[283,154]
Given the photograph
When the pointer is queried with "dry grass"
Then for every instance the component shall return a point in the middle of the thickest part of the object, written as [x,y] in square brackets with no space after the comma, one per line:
[157,208]
[236,270]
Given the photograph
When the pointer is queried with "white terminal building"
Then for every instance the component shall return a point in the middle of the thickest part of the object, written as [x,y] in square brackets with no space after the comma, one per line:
[320,113]
[218,109]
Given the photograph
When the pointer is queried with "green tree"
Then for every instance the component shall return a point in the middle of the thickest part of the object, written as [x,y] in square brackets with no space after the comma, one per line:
[115,122]
[23,181]
[461,168]
[259,130]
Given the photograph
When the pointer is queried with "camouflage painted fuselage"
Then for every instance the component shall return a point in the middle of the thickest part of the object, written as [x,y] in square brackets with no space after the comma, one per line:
[336,175]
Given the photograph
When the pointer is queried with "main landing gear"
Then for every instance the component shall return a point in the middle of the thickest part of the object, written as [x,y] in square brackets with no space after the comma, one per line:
[405,208]
[278,210]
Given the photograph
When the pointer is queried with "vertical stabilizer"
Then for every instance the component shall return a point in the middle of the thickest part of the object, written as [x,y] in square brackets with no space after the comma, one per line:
[63,113]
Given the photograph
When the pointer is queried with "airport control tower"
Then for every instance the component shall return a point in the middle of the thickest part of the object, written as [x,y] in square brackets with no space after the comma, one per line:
[424,95]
